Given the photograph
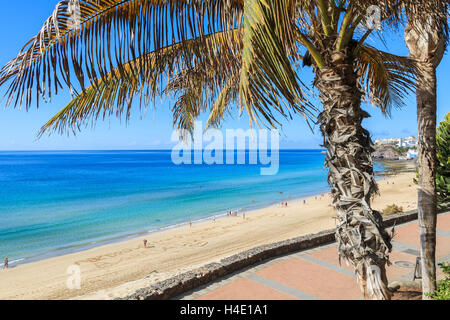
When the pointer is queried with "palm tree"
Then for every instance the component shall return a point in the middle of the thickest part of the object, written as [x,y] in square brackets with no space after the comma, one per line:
[213,55]
[426,36]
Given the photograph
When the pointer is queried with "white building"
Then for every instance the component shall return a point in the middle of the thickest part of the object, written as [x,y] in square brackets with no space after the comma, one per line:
[412,153]
[409,142]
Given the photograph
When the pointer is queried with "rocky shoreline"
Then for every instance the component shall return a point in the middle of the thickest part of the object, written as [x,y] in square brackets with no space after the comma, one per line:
[394,167]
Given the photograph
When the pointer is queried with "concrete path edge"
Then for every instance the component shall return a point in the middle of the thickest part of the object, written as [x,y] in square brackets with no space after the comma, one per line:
[188,281]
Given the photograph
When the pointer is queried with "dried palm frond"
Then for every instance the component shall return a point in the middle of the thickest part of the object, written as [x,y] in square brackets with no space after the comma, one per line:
[385,78]
[419,12]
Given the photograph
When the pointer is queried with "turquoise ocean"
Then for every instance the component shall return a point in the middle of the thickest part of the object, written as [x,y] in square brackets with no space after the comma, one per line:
[53,203]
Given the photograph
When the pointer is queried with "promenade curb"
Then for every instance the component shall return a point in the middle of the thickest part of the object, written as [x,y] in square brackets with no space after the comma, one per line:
[190,280]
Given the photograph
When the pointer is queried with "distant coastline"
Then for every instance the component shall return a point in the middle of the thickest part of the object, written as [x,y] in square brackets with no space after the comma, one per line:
[394,167]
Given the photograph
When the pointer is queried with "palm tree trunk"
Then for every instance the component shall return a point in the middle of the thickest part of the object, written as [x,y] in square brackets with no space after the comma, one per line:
[359,233]
[427,199]
[426,43]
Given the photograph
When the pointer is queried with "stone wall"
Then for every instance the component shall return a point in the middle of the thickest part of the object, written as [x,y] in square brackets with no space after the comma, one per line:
[187,281]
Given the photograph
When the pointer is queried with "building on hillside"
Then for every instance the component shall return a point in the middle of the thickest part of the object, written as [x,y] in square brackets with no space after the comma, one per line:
[410,142]
[412,153]
[387,141]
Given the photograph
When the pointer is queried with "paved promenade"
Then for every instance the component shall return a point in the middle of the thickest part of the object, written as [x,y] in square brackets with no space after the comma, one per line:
[316,275]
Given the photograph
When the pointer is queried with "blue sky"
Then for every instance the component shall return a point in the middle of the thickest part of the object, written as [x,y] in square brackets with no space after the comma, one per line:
[22,19]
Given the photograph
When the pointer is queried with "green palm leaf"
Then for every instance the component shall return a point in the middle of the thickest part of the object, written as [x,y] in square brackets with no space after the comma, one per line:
[144,77]
[268,80]
[111,32]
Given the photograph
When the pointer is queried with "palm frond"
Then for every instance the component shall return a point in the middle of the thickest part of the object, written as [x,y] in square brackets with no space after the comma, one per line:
[433,12]
[145,76]
[205,86]
[385,78]
[268,81]
[109,33]
[228,94]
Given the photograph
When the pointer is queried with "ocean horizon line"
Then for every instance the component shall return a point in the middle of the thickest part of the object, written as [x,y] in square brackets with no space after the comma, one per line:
[114,150]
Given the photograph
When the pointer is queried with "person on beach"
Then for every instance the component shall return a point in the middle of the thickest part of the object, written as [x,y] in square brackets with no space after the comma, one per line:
[6,264]
[145,243]
[304,201]
[243,216]
[285,204]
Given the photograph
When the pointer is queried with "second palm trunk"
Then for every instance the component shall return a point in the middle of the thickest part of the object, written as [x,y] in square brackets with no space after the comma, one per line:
[361,237]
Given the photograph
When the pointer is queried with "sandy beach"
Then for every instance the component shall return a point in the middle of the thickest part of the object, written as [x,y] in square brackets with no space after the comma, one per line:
[118,269]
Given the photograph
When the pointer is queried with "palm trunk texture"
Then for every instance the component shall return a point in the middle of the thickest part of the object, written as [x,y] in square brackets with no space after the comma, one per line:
[361,237]
[426,44]
[427,198]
